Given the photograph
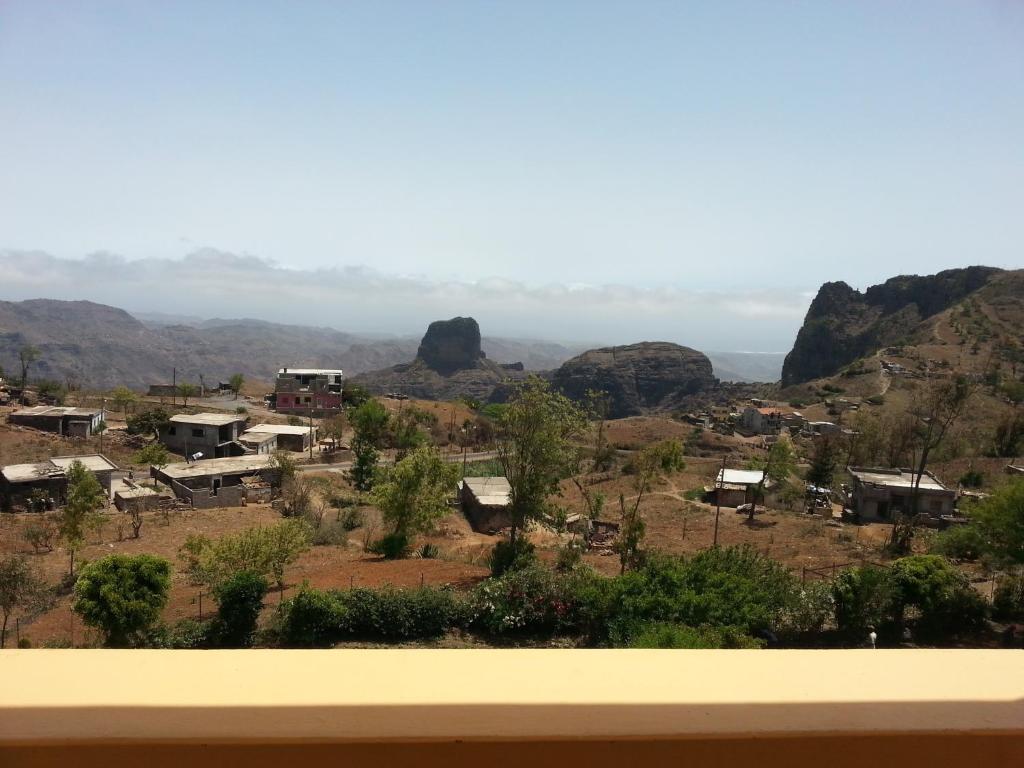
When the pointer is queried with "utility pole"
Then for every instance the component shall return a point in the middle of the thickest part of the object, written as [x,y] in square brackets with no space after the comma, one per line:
[311,432]
[719,482]
[174,386]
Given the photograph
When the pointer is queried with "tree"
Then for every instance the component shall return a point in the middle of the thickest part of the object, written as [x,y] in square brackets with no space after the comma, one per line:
[824,462]
[354,395]
[235,383]
[414,493]
[86,498]
[124,398]
[153,455]
[186,390]
[779,465]
[369,424]
[334,428]
[100,429]
[1000,521]
[21,588]
[148,423]
[661,458]
[122,595]
[264,551]
[26,356]
[534,444]
[934,412]
[51,390]
[239,601]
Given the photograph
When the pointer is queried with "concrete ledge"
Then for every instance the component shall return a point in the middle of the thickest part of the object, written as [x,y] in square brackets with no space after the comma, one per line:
[751,703]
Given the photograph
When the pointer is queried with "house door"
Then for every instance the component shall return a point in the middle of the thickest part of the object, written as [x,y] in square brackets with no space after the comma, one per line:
[883,510]
[216,486]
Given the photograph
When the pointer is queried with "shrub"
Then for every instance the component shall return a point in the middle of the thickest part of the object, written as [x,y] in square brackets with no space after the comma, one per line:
[961,542]
[429,551]
[972,478]
[393,546]
[311,619]
[666,635]
[40,534]
[186,634]
[507,556]
[122,595]
[1008,601]
[876,400]
[569,556]
[946,604]
[239,601]
[330,534]
[865,599]
[535,601]
[352,519]
[241,410]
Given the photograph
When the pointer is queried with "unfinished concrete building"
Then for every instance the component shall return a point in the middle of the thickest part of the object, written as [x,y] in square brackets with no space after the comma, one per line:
[214,435]
[308,391]
[46,482]
[880,494]
[63,420]
[289,437]
[226,482]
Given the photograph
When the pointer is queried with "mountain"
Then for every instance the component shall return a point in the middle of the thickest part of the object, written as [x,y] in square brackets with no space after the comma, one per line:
[101,346]
[637,377]
[449,363]
[843,325]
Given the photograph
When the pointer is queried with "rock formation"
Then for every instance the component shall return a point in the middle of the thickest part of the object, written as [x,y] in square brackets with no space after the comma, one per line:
[638,377]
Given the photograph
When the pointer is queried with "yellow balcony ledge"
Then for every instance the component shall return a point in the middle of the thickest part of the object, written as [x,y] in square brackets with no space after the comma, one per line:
[511,707]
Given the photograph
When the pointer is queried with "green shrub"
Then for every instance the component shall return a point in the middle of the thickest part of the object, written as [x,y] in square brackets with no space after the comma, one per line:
[960,542]
[972,478]
[865,599]
[24,642]
[944,601]
[534,601]
[1008,601]
[184,635]
[311,619]
[241,410]
[507,556]
[429,551]
[665,635]
[393,546]
[122,595]
[352,519]
[330,534]
[239,601]
[876,400]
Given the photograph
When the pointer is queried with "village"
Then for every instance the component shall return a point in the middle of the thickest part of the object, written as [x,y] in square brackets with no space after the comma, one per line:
[181,460]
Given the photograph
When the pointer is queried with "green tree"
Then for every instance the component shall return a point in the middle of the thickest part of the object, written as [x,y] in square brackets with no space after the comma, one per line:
[186,390]
[535,447]
[153,455]
[778,466]
[369,425]
[86,499]
[26,356]
[52,390]
[413,494]
[354,395]
[122,595]
[235,383]
[1000,521]
[239,601]
[824,461]
[661,458]
[148,423]
[264,551]
[21,589]
[124,398]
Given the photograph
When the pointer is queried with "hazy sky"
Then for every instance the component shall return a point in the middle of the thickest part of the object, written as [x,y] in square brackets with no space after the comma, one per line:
[614,171]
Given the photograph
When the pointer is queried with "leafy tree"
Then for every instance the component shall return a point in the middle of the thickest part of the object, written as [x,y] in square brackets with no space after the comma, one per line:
[239,601]
[21,588]
[405,431]
[779,465]
[86,498]
[148,423]
[26,356]
[369,424]
[945,603]
[186,390]
[413,494]
[235,383]
[534,443]
[354,395]
[154,455]
[52,390]
[40,534]
[122,595]
[865,600]
[124,398]
[334,429]
[824,462]
[264,551]
[1000,521]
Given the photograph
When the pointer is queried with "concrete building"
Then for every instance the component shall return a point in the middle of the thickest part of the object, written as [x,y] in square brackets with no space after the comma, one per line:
[880,494]
[761,421]
[734,487]
[308,391]
[49,478]
[289,437]
[219,482]
[258,442]
[64,420]
[215,435]
[485,502]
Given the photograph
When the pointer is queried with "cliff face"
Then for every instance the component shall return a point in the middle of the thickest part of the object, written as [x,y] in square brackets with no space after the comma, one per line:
[637,377]
[843,325]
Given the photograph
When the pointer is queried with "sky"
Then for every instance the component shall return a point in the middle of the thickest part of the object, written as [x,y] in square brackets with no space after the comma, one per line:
[616,172]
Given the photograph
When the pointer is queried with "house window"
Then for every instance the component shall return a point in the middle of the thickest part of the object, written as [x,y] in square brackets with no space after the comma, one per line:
[307,399]
[198,433]
[172,430]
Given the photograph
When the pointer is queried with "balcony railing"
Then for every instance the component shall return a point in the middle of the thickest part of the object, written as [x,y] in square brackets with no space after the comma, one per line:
[527,708]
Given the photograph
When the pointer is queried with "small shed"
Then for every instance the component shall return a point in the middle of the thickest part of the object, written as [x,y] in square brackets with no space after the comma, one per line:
[485,502]
[290,437]
[734,487]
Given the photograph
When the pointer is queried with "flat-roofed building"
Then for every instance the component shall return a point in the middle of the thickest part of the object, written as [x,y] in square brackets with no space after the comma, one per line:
[258,442]
[216,482]
[308,391]
[881,494]
[64,420]
[485,502]
[215,435]
[734,487]
[290,437]
[49,478]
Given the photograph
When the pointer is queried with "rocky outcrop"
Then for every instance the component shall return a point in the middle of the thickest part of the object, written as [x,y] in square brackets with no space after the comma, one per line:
[638,377]
[843,324]
[451,345]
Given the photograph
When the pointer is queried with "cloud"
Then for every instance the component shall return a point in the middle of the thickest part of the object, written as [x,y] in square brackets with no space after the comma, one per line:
[212,283]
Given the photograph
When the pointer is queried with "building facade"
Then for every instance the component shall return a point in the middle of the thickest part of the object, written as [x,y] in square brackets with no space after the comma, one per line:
[879,494]
[308,391]
[215,435]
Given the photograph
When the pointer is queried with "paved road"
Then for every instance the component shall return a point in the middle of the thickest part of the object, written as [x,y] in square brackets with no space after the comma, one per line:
[344,466]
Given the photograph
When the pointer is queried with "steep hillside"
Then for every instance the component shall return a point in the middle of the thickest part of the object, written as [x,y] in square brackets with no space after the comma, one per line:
[843,325]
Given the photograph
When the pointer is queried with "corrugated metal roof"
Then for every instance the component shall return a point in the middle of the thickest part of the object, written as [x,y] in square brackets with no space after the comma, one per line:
[739,476]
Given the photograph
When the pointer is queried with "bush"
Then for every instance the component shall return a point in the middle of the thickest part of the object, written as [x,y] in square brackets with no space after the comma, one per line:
[330,534]
[665,635]
[507,556]
[239,601]
[394,546]
[429,551]
[876,400]
[186,635]
[865,599]
[241,410]
[316,619]
[40,534]
[961,542]
[122,595]
[972,478]
[1008,601]
[945,603]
